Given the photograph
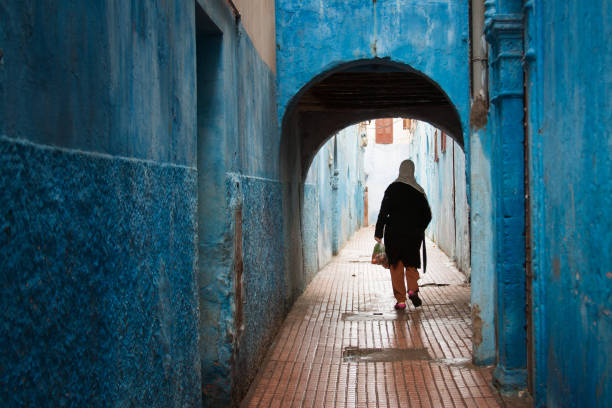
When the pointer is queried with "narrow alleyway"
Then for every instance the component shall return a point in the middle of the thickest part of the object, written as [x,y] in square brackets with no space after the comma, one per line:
[343,344]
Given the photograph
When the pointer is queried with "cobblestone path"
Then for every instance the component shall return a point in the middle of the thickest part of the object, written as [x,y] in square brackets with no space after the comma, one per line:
[343,344]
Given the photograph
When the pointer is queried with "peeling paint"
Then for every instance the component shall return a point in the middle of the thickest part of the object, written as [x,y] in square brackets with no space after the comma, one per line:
[479,113]
[556,268]
[476,325]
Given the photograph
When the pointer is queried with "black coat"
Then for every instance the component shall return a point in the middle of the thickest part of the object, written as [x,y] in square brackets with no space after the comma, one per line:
[404,215]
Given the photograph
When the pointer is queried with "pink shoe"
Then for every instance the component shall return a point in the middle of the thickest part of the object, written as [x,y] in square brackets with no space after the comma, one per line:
[414,298]
[400,305]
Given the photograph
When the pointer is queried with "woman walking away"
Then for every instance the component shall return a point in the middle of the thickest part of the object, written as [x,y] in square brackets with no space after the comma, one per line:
[404,215]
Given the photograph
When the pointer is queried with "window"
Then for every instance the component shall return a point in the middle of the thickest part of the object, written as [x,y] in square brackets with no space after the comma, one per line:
[384,131]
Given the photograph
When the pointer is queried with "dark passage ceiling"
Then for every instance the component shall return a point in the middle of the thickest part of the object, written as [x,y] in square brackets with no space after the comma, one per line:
[363,92]
[372,90]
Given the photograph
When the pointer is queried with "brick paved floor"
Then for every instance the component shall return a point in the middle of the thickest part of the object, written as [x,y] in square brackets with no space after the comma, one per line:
[343,344]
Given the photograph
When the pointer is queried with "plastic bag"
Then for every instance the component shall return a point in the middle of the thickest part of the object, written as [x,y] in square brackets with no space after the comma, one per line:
[379,256]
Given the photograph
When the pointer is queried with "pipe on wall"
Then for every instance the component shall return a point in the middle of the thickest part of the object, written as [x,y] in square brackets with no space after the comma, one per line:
[479,51]
[479,65]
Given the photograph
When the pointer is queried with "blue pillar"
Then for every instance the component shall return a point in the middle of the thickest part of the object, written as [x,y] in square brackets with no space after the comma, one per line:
[504,30]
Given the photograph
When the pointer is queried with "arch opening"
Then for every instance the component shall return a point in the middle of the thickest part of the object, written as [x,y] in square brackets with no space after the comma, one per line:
[346,181]
[358,91]
[342,96]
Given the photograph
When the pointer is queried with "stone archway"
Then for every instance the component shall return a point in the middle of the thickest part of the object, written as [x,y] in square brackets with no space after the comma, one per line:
[344,95]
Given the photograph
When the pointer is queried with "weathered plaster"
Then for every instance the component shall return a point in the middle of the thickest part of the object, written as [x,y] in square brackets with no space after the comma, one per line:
[444,183]
[98,185]
[107,78]
[120,79]
[264,293]
[244,289]
[430,36]
[98,295]
[568,88]
[482,229]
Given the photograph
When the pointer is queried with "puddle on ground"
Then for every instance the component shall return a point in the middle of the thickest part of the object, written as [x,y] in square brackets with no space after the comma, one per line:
[375,355]
[369,316]
[456,362]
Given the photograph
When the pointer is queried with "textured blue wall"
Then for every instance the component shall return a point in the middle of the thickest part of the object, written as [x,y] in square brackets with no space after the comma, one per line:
[311,227]
[238,163]
[265,284]
[349,184]
[98,249]
[98,281]
[569,88]
[130,170]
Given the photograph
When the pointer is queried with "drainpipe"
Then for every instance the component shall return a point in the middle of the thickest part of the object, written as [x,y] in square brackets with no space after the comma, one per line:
[480,74]
[483,288]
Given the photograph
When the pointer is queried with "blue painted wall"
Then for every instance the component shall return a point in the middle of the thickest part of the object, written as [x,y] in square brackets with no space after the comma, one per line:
[333,199]
[98,184]
[134,137]
[569,88]
[103,77]
[97,270]
[429,35]
[250,154]
[142,170]
[349,184]
[243,286]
